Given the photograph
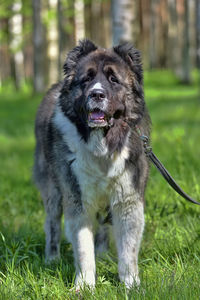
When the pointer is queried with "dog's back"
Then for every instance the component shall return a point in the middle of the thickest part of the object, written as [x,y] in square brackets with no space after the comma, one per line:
[42,126]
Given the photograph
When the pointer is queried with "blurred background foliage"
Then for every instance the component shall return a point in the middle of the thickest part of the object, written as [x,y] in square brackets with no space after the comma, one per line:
[36,35]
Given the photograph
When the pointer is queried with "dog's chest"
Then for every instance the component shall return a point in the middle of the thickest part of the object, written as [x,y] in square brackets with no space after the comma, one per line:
[97,177]
[96,173]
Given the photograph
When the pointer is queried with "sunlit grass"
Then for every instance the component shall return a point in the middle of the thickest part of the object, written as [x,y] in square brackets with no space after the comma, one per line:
[170,254]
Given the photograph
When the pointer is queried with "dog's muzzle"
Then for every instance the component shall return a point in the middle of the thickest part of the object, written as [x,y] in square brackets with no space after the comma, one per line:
[97,104]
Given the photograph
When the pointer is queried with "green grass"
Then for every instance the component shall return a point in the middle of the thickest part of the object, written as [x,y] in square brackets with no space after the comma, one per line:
[169,259]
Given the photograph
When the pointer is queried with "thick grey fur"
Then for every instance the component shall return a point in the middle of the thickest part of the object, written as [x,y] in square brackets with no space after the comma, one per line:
[83,169]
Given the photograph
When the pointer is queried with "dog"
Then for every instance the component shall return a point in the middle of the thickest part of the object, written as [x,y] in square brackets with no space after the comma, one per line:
[90,161]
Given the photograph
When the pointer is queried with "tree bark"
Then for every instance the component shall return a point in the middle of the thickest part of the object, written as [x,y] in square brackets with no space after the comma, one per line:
[38,39]
[172,48]
[88,18]
[52,35]
[153,47]
[142,34]
[27,38]
[122,20]
[197,8]
[183,68]
[5,61]
[186,46]
[66,30]
[106,8]
[97,20]
[79,20]
[16,29]
[163,33]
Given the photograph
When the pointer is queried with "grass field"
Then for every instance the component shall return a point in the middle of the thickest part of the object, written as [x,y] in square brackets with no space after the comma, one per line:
[169,259]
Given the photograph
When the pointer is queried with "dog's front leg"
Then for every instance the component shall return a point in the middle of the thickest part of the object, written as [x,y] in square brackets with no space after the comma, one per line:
[80,233]
[128,224]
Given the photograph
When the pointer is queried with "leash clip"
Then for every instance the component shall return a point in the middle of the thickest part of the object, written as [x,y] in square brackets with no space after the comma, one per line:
[145,140]
[148,149]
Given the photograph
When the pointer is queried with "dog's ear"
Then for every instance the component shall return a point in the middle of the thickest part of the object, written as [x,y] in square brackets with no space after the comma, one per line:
[133,59]
[84,48]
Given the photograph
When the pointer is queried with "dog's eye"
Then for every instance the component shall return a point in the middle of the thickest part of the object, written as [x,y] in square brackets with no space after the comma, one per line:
[90,76]
[87,79]
[112,78]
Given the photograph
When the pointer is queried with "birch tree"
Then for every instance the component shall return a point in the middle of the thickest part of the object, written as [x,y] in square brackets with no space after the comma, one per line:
[15,27]
[27,46]
[52,37]
[123,17]
[79,20]
[38,39]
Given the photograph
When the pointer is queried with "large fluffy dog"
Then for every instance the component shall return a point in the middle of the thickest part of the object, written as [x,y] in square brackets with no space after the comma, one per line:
[89,159]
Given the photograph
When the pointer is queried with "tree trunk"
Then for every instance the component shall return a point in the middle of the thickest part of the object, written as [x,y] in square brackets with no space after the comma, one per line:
[106,8]
[186,46]
[172,48]
[183,70]
[5,62]
[123,17]
[60,37]
[27,38]
[88,18]
[153,45]
[15,28]
[163,33]
[66,31]
[38,42]
[79,20]
[142,35]
[53,43]
[197,8]
[97,20]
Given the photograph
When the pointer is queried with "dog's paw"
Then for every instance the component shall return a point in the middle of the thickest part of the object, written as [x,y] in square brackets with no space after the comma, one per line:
[85,280]
[131,281]
[52,259]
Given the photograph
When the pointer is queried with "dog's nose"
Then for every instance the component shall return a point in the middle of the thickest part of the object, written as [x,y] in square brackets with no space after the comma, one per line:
[97,95]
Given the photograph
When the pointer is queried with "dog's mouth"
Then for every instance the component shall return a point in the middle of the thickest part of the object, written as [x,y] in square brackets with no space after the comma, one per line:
[98,118]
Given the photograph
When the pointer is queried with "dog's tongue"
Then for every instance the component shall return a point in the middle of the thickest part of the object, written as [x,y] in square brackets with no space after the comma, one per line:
[96,115]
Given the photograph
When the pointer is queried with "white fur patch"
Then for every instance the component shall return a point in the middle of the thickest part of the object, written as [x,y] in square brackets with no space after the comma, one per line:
[68,130]
[96,144]
[118,163]
[81,237]
[97,86]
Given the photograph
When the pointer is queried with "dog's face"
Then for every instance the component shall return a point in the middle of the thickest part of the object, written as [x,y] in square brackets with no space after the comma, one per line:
[103,89]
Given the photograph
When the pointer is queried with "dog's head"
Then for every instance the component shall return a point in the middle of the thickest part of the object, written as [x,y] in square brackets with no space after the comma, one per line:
[103,89]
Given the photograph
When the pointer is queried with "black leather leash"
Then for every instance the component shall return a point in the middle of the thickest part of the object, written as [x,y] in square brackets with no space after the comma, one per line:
[163,171]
